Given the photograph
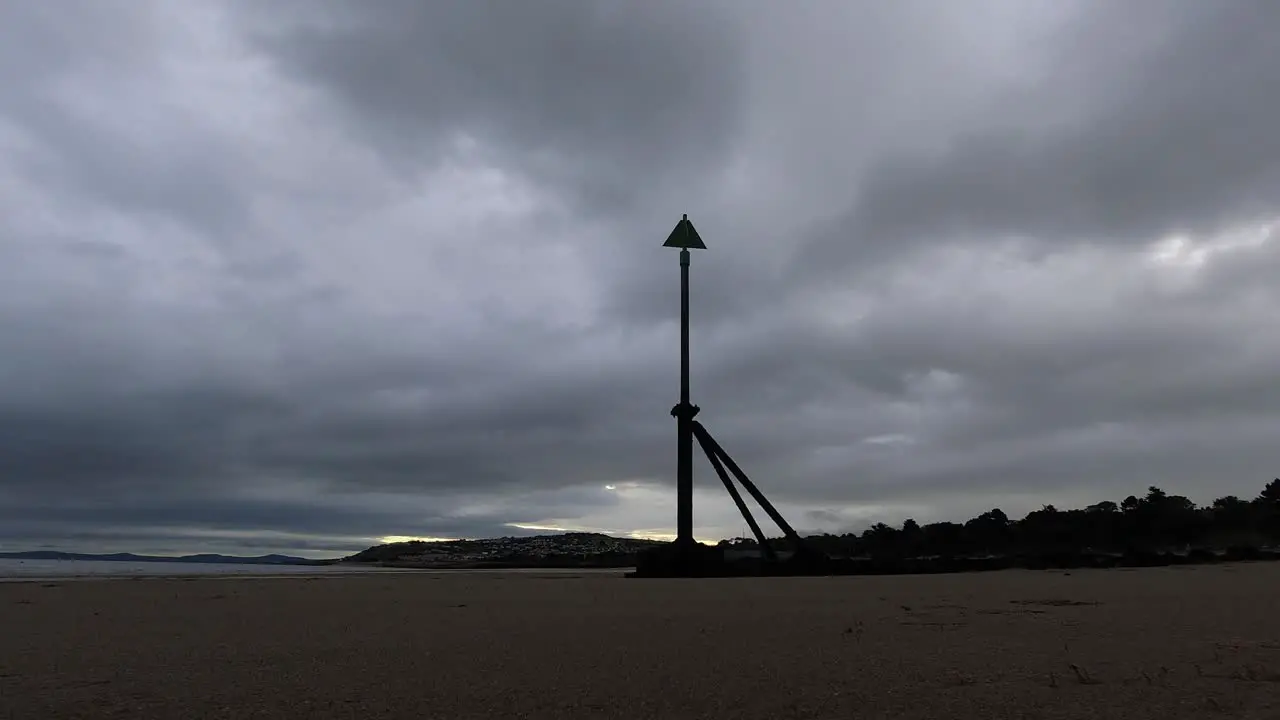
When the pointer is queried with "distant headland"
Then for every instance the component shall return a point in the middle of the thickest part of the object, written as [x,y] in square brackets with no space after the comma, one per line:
[567,550]
[131,557]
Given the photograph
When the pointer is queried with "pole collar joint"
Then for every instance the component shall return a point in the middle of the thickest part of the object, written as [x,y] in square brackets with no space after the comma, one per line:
[685,410]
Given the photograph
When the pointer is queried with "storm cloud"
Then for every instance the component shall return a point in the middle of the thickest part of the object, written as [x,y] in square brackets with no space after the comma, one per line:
[296,276]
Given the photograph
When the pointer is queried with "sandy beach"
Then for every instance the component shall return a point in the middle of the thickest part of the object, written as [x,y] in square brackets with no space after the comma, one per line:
[1196,642]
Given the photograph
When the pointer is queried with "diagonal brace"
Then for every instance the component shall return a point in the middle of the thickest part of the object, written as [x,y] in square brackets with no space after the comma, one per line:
[713,448]
[765,547]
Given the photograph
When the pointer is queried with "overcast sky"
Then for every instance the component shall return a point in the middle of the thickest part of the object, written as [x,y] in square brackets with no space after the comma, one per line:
[296,275]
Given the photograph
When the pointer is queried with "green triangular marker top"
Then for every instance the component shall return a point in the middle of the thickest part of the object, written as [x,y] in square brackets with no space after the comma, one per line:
[684,236]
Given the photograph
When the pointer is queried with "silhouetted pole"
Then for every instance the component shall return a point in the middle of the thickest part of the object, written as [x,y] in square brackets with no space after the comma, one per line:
[684,429]
[684,237]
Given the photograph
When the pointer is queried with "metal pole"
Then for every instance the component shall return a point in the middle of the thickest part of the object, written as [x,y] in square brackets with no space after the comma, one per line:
[684,429]
[685,238]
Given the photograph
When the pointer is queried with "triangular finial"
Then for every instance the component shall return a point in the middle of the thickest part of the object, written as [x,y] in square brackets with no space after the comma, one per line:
[685,236]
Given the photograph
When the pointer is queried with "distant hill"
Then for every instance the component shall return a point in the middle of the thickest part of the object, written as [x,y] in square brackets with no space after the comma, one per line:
[564,550]
[130,557]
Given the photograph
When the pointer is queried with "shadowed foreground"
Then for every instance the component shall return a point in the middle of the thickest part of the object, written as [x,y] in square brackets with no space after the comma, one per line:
[1193,642]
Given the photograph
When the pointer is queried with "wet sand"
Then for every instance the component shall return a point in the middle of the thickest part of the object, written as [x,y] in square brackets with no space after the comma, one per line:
[1195,642]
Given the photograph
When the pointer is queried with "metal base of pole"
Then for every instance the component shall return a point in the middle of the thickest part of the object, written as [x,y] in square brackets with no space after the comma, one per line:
[687,558]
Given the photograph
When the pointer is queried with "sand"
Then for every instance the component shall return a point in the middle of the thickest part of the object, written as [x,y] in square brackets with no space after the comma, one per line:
[1198,642]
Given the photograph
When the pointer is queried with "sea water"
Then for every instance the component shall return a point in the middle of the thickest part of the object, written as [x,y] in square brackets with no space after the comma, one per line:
[13,569]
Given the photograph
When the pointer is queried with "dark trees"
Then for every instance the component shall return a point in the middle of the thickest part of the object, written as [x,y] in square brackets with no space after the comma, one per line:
[1156,521]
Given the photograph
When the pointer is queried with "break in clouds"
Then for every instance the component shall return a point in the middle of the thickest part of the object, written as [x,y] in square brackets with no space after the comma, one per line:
[295,276]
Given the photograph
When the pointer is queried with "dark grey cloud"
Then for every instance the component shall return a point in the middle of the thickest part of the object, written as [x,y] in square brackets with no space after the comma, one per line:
[1153,120]
[120,144]
[317,524]
[299,276]
[624,109]
[551,87]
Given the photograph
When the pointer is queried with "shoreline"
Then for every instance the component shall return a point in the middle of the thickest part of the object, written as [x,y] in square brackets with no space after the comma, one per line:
[854,567]
[332,575]
[94,577]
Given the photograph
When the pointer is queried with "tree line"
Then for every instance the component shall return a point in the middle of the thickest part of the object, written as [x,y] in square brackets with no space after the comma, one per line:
[1157,522]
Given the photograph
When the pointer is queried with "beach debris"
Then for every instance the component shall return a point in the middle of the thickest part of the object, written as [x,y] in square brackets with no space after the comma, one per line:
[1083,675]
[1056,602]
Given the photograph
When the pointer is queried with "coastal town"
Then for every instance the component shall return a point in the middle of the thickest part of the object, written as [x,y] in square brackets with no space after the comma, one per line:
[568,549]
